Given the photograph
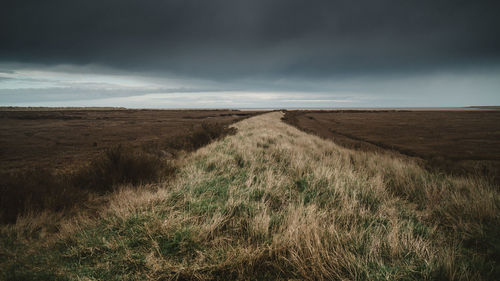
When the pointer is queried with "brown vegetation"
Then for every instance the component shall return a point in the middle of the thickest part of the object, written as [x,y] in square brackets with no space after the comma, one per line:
[458,142]
[43,186]
[66,139]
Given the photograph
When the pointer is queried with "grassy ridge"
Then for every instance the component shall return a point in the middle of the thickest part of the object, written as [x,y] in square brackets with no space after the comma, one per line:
[272,202]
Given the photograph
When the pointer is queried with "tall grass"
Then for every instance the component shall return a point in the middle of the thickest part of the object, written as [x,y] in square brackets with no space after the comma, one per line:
[274,203]
[118,166]
[34,190]
[40,189]
[206,133]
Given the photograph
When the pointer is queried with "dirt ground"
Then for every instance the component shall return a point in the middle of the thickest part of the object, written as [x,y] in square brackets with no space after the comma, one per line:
[60,139]
[453,141]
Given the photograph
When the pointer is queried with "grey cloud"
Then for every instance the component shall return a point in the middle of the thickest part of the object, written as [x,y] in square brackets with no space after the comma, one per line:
[259,38]
[385,52]
[68,94]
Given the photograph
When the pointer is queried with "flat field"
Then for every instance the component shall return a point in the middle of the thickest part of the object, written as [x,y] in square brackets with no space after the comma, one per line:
[62,139]
[455,141]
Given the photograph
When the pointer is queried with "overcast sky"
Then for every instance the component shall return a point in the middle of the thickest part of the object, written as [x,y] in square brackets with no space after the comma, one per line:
[250,53]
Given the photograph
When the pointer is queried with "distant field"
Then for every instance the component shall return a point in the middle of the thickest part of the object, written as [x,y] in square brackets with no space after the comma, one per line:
[63,138]
[457,141]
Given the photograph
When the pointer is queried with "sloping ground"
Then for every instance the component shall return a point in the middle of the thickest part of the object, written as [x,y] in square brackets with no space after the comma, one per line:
[270,203]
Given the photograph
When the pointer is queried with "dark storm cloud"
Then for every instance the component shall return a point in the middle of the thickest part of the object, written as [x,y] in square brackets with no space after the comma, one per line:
[253,38]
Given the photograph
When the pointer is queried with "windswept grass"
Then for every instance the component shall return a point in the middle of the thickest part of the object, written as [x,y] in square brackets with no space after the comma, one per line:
[273,203]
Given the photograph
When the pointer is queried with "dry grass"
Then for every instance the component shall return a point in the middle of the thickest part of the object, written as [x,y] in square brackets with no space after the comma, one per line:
[273,203]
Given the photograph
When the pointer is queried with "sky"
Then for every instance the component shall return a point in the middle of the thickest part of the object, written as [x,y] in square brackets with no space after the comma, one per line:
[250,53]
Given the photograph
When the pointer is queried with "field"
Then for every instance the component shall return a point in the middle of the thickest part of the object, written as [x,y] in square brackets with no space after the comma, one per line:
[63,139]
[53,160]
[460,142]
[269,202]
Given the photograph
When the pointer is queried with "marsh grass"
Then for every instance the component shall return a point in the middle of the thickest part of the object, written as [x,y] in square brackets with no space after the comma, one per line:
[42,189]
[34,190]
[120,165]
[274,203]
[200,136]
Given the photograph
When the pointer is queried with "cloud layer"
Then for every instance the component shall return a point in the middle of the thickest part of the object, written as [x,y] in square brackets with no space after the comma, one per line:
[252,45]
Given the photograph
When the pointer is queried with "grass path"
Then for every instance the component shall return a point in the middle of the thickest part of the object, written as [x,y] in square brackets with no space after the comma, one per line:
[273,203]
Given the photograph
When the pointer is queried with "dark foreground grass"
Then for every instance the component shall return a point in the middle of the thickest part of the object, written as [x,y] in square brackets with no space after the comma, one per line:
[41,189]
